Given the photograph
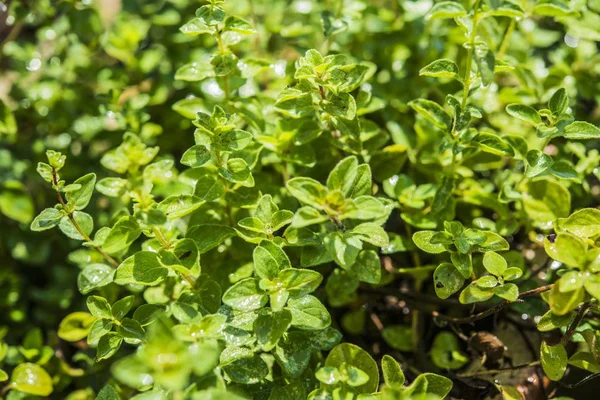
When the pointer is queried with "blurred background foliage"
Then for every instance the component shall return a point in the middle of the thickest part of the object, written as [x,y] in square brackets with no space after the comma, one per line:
[76,75]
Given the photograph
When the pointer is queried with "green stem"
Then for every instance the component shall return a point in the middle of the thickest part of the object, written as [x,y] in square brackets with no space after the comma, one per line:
[78,228]
[467,79]
[491,310]
[161,238]
[506,40]
[222,47]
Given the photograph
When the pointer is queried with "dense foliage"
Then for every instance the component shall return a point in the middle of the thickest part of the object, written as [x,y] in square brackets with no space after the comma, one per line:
[296,199]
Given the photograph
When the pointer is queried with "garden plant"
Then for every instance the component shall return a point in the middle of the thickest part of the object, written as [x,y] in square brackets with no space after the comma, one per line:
[299,199]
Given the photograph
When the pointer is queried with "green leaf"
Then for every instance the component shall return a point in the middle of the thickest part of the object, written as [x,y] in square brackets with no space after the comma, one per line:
[354,356]
[554,360]
[538,162]
[194,72]
[485,61]
[446,9]
[121,307]
[245,296]
[195,156]
[269,260]
[47,219]
[493,144]
[398,336]
[306,216]
[112,187]
[524,113]
[142,268]
[551,8]
[512,273]
[209,188]
[108,392]
[280,219]
[108,345]
[252,224]
[442,68]
[562,303]
[545,200]
[178,206]
[99,307]
[237,171]
[592,286]
[210,14]
[585,361]
[551,321]
[475,294]
[308,313]
[367,267]
[81,197]
[492,242]
[506,9]
[94,276]
[423,241]
[448,280]
[270,327]
[559,102]
[371,233]
[568,249]
[581,130]
[84,222]
[564,169]
[31,379]
[131,331]
[463,263]
[238,25]
[392,372]
[328,375]
[508,291]
[233,140]
[148,313]
[343,175]
[99,328]
[445,352]
[247,370]
[299,281]
[209,236]
[121,235]
[432,112]
[307,191]
[75,326]
[340,105]
[571,280]
[196,27]
[494,263]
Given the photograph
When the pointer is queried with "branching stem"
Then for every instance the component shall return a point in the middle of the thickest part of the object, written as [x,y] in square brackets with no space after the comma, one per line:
[499,370]
[84,235]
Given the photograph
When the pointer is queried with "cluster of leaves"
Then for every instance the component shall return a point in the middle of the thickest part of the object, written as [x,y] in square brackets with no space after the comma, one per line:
[278,200]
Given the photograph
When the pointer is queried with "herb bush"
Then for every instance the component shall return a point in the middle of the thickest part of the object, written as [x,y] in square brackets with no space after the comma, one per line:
[292,199]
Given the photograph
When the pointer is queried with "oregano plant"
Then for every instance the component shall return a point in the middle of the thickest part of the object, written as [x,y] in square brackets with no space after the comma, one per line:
[324,200]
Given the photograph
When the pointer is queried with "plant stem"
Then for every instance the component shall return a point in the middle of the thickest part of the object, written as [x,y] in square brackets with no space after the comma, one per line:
[222,47]
[506,40]
[222,50]
[492,310]
[166,245]
[161,238]
[467,79]
[499,371]
[571,331]
[84,235]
